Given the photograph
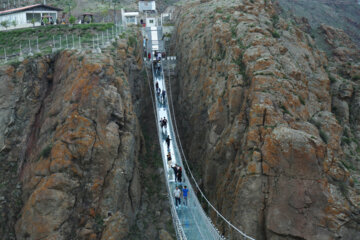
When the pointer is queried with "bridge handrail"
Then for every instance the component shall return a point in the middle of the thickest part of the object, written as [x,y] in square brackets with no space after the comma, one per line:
[193,178]
[176,221]
[211,227]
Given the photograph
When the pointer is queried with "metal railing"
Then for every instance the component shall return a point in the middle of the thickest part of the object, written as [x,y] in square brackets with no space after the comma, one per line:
[202,226]
[91,40]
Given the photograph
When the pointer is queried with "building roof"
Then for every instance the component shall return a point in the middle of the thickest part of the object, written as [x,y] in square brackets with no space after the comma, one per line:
[14,10]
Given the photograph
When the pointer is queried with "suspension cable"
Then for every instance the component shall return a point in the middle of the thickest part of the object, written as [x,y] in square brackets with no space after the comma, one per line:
[192,176]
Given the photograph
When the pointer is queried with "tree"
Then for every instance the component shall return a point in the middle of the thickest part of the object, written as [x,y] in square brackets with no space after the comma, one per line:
[45,20]
[33,21]
[14,23]
[5,24]
[72,19]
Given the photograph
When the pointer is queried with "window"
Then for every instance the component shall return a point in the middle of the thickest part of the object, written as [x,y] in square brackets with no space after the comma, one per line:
[131,19]
[151,21]
[30,16]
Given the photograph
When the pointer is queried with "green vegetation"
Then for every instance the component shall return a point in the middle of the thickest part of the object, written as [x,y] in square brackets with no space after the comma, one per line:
[45,153]
[219,10]
[242,68]
[285,110]
[275,34]
[233,31]
[132,41]
[323,136]
[45,21]
[301,100]
[356,77]
[5,24]
[332,79]
[12,39]
[72,20]
[343,188]
[99,223]
[345,140]
[275,20]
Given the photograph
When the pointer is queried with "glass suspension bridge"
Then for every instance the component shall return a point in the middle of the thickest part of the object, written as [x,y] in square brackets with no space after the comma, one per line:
[190,222]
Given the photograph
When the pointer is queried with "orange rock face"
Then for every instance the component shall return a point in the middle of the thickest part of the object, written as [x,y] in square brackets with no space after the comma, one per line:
[78,147]
[262,134]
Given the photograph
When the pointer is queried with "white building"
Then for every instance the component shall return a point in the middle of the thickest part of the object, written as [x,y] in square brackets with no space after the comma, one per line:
[129,18]
[147,6]
[23,16]
[151,22]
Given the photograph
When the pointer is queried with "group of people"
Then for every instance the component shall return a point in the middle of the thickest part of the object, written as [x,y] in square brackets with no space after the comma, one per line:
[177,172]
[160,94]
[177,194]
[158,55]
[163,122]
[178,179]
[157,67]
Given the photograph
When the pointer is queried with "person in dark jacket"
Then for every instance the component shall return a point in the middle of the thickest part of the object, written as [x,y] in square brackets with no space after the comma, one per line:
[168,141]
[179,174]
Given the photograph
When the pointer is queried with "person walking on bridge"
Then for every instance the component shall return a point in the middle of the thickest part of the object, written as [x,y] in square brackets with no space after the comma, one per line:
[177,195]
[179,174]
[174,167]
[185,195]
[157,86]
[165,123]
[169,158]
[158,92]
[158,68]
[168,141]
[163,96]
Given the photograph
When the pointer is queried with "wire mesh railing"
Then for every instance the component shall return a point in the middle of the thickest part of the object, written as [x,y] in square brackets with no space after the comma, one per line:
[101,36]
[233,232]
[176,221]
[191,222]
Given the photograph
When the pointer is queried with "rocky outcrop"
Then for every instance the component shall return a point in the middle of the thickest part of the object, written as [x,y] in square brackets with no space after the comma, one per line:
[255,105]
[338,14]
[72,152]
[78,144]
[72,149]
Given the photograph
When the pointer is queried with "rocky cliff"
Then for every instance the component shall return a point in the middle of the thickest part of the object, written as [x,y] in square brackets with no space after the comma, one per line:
[343,14]
[269,125]
[72,152]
